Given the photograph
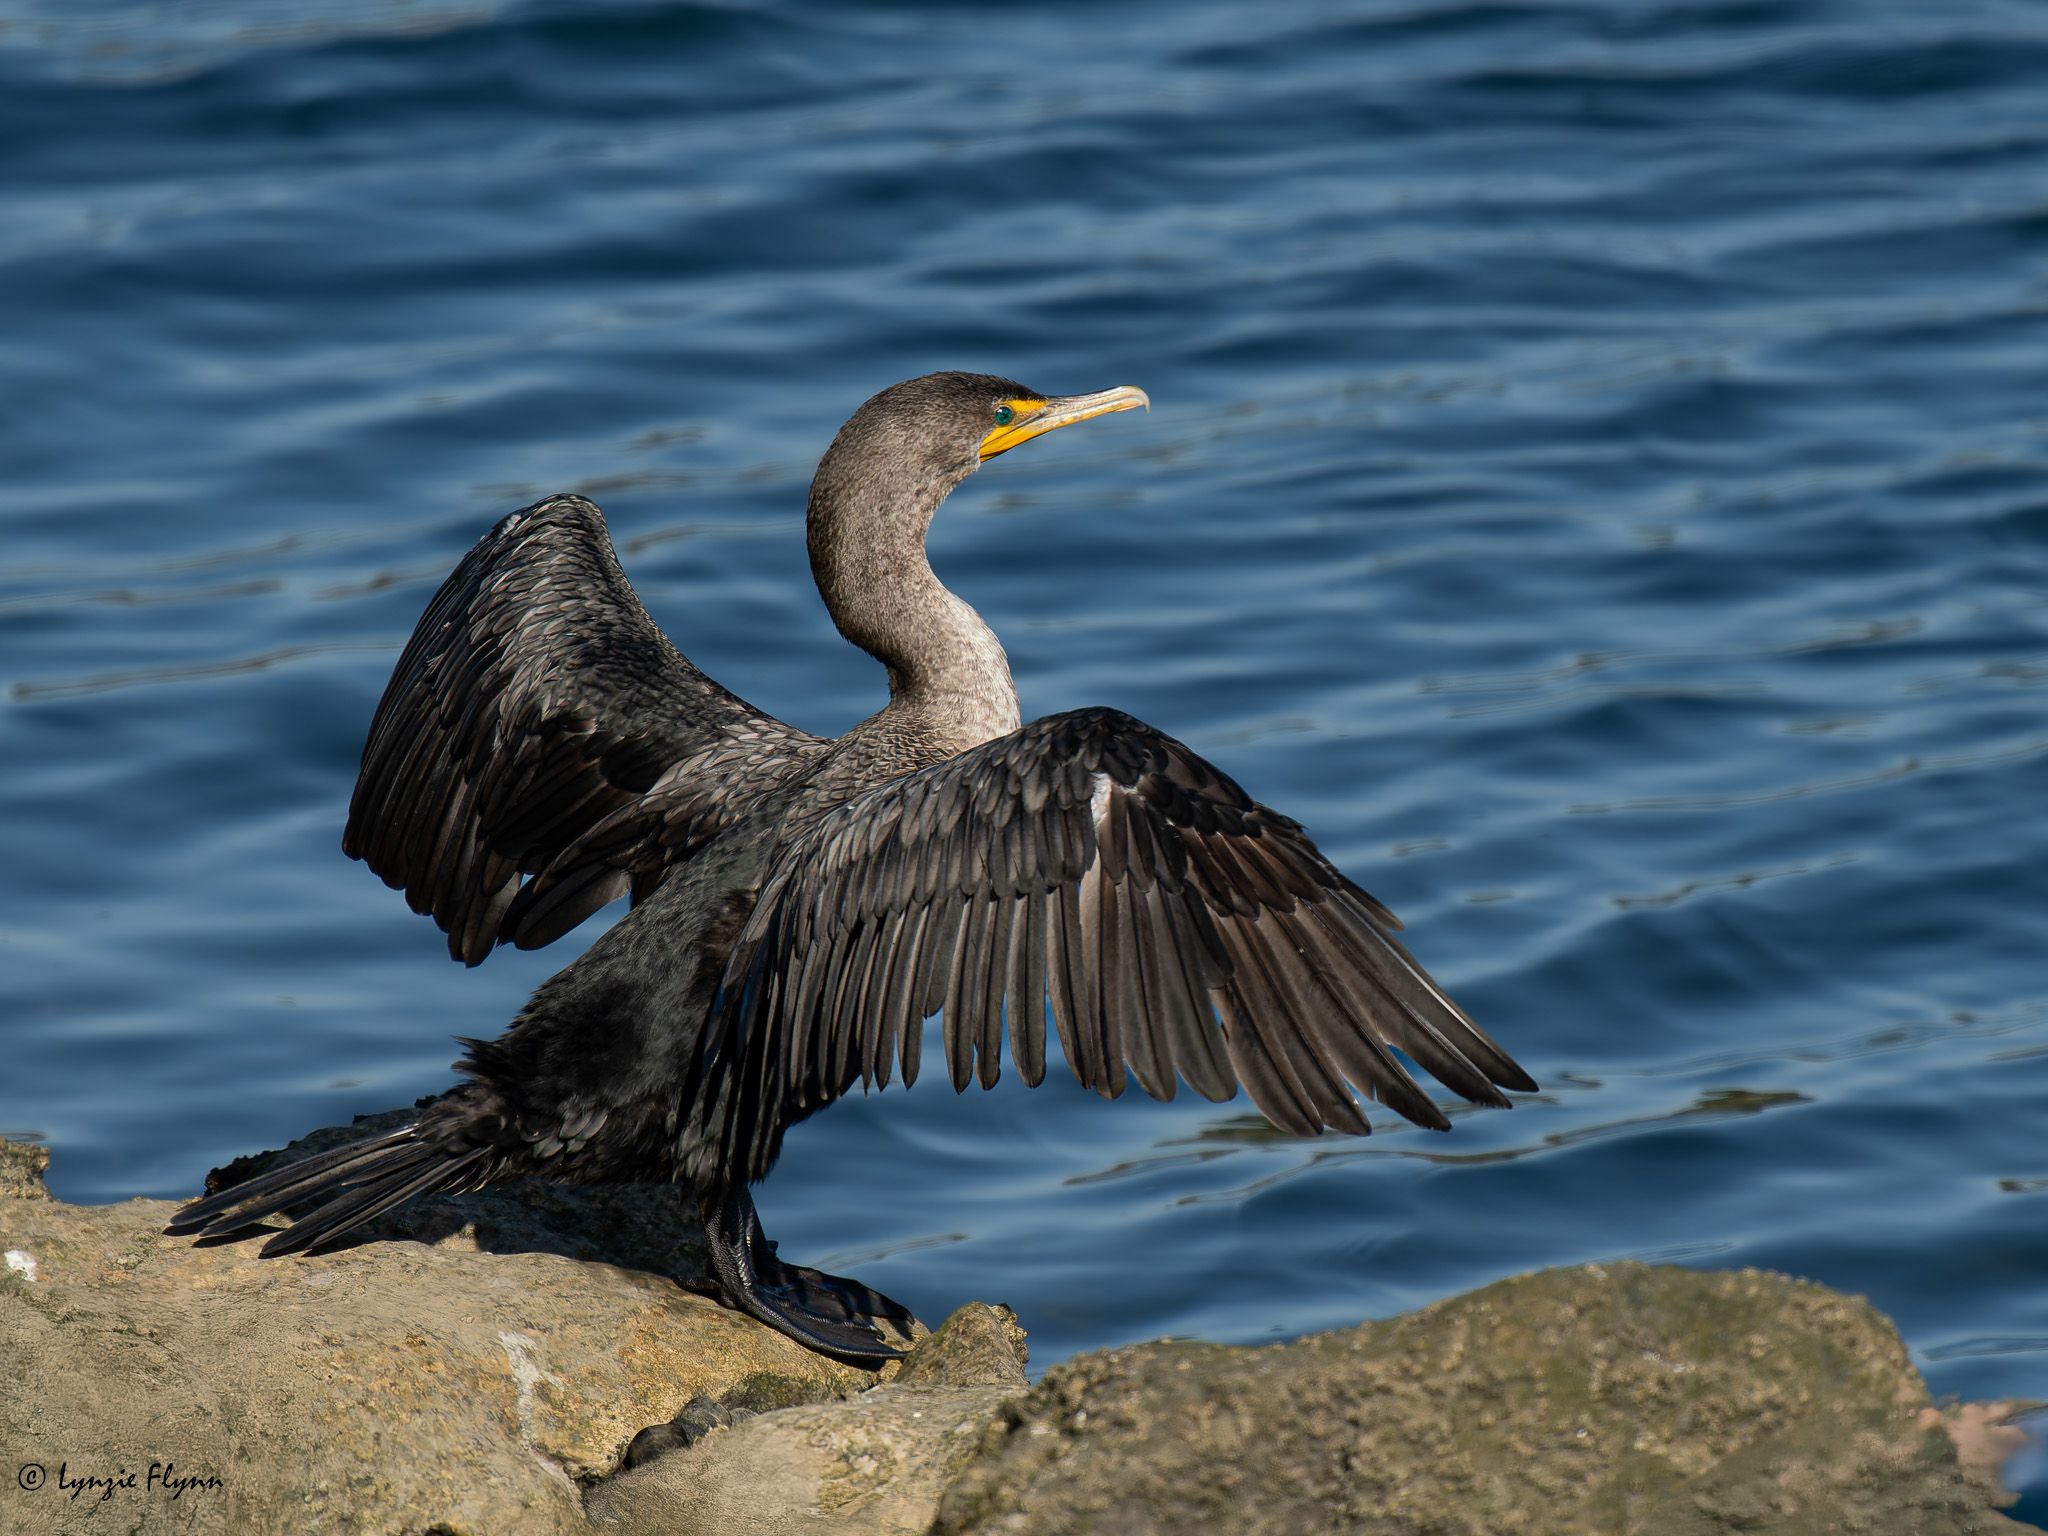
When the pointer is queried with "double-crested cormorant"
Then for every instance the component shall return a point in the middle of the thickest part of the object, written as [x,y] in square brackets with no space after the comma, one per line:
[802,905]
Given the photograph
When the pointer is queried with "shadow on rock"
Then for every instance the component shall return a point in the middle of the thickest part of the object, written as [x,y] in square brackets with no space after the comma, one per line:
[650,1227]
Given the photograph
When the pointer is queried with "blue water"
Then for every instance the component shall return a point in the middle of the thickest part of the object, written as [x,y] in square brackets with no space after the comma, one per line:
[1598,481]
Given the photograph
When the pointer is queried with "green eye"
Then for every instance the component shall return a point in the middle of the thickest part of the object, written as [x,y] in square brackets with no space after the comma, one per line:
[1004,415]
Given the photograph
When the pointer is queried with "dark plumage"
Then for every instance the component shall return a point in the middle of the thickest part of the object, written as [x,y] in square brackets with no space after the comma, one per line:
[801,905]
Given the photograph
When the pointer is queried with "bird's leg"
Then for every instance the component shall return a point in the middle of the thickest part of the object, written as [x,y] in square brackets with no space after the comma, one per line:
[830,1314]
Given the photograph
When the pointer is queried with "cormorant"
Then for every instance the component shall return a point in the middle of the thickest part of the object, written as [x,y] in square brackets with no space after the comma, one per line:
[801,905]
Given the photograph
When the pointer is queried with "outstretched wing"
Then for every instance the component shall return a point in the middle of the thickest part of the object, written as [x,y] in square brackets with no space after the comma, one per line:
[1177,928]
[539,721]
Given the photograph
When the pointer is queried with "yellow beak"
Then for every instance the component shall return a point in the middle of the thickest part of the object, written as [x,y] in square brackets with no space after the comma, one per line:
[1034,418]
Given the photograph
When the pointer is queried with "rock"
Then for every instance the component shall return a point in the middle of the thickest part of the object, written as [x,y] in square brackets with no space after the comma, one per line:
[390,1386]
[874,1465]
[699,1417]
[1612,1399]
[490,1376]
[21,1170]
[978,1346]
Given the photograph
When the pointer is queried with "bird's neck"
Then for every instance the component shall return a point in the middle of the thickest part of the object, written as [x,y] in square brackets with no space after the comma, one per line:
[948,676]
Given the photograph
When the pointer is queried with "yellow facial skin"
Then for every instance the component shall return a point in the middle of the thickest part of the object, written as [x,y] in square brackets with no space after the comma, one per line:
[1034,418]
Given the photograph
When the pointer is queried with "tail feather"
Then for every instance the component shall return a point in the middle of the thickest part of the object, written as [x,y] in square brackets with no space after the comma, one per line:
[347,1186]
[235,1207]
[430,1168]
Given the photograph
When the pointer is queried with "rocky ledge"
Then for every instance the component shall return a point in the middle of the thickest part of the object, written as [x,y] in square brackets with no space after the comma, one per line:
[526,1361]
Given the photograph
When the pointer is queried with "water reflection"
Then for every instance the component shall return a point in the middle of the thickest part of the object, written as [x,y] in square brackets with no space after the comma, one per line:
[1241,1132]
[146,677]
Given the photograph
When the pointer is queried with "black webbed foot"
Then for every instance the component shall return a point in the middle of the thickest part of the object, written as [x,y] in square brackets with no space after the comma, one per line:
[830,1314]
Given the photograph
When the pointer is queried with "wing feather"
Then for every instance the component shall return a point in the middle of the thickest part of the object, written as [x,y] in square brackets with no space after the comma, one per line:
[992,960]
[1069,985]
[1024,995]
[1090,870]
[1148,1043]
[539,723]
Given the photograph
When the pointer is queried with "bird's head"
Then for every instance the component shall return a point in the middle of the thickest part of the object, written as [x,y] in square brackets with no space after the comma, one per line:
[924,436]
[871,505]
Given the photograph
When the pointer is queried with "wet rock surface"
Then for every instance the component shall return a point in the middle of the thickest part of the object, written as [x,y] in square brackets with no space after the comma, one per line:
[529,1365]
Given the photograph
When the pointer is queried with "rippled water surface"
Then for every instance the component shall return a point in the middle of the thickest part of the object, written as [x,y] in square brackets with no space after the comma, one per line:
[1597,481]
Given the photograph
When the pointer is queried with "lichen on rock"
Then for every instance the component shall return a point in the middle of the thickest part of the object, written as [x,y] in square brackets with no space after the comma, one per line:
[1605,1399]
